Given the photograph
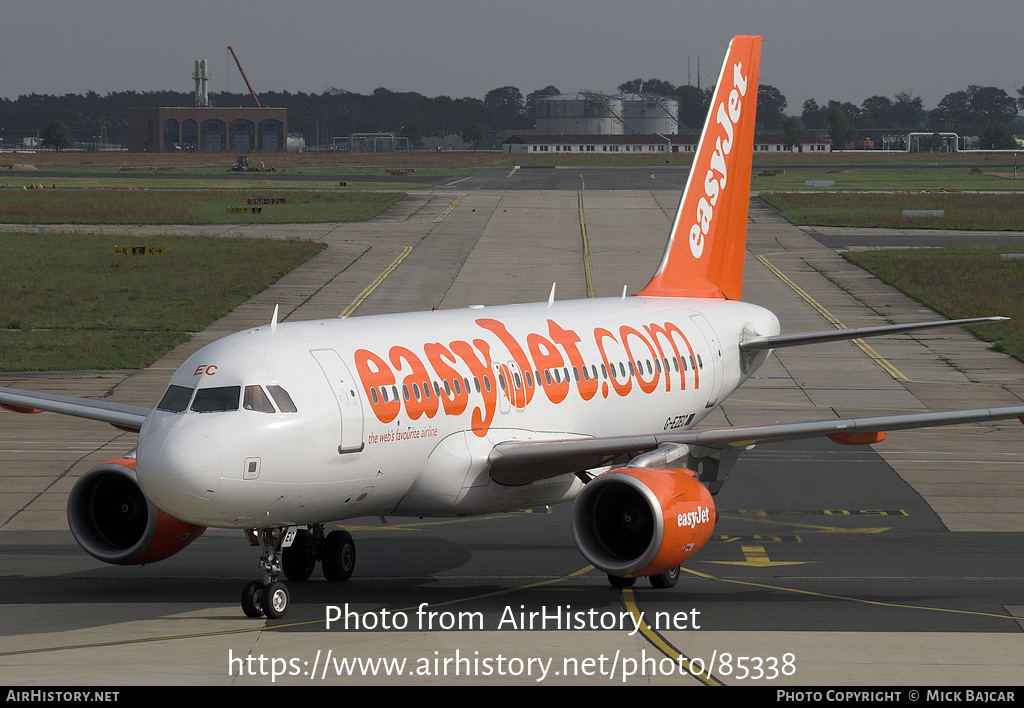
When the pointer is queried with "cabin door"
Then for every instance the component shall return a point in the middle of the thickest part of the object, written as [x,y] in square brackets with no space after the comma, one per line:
[343,384]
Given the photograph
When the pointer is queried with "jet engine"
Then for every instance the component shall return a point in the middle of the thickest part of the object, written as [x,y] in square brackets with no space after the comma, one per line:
[113,521]
[635,522]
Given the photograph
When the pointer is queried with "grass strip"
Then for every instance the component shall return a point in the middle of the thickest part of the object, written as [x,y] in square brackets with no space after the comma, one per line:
[959,282]
[989,212]
[949,177]
[190,207]
[69,303]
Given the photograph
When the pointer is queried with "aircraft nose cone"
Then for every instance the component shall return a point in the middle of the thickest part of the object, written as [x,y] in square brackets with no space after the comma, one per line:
[178,467]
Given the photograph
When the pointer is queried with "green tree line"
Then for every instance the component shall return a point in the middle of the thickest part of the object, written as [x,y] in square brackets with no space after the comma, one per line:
[93,118]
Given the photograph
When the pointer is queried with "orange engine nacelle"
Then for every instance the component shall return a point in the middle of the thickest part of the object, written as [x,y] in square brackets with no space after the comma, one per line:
[635,522]
[113,521]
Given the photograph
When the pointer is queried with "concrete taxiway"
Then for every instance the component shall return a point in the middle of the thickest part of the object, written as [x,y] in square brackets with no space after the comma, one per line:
[895,564]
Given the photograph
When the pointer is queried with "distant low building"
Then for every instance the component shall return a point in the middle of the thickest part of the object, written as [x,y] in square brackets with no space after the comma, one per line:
[646,144]
[209,130]
[594,144]
[775,142]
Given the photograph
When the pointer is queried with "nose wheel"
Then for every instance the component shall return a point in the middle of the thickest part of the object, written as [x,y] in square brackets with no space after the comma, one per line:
[252,599]
[270,600]
[269,597]
[294,552]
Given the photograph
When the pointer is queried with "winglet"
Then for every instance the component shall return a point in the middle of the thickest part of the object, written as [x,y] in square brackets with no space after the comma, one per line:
[704,255]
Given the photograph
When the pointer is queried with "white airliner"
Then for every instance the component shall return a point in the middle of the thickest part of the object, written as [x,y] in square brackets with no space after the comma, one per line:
[280,429]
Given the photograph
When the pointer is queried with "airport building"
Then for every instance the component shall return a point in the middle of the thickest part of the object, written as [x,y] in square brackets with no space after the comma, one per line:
[600,144]
[775,142]
[646,144]
[205,129]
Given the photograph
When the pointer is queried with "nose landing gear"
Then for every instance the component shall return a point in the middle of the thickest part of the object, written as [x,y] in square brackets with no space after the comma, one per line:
[295,553]
[268,597]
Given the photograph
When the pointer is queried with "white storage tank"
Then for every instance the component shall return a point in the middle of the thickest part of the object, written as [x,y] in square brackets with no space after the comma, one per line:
[647,114]
[579,114]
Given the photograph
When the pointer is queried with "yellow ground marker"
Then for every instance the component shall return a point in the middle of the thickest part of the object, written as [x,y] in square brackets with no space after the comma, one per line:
[406,250]
[864,347]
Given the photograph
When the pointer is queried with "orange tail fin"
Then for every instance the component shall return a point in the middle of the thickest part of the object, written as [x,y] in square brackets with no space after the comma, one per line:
[704,255]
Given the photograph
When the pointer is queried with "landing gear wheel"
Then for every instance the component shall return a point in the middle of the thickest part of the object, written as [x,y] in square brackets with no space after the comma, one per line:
[617,581]
[275,600]
[267,597]
[668,579]
[299,560]
[339,556]
[252,599]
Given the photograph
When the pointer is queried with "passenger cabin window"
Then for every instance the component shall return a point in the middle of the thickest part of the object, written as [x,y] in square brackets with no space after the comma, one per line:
[222,398]
[256,399]
[175,399]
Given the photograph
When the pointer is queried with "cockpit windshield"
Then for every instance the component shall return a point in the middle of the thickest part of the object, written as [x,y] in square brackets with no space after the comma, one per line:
[175,399]
[255,399]
[226,398]
[222,398]
[283,400]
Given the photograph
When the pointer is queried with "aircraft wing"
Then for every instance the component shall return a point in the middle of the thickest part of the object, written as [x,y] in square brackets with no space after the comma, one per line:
[120,415]
[518,462]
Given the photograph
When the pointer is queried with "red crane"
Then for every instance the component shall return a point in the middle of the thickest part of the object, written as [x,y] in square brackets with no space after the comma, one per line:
[242,71]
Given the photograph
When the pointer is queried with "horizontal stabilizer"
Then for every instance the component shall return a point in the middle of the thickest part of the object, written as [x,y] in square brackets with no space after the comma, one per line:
[836,335]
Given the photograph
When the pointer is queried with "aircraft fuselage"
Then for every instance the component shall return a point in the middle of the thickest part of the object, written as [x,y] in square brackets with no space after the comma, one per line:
[396,414]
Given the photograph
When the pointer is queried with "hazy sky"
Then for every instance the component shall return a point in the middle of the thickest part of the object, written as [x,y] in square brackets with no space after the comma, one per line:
[823,50]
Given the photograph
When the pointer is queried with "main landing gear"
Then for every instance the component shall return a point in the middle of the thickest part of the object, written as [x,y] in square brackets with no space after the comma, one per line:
[295,553]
